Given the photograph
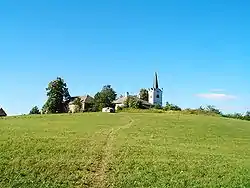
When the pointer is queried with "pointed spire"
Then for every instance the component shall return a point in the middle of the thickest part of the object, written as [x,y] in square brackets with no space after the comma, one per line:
[156,81]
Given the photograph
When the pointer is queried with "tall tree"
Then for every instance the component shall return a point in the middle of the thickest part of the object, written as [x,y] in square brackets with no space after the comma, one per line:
[143,94]
[57,93]
[105,97]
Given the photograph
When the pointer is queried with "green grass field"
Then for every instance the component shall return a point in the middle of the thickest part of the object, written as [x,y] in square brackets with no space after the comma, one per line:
[124,150]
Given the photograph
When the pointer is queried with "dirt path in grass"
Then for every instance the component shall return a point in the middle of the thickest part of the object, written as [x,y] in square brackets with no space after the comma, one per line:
[100,178]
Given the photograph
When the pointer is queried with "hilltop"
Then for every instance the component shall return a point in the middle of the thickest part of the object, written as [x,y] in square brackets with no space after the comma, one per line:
[124,150]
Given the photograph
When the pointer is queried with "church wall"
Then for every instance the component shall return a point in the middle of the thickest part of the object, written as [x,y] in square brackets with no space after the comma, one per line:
[153,96]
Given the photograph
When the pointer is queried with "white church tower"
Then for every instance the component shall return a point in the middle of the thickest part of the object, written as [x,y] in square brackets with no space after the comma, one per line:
[155,93]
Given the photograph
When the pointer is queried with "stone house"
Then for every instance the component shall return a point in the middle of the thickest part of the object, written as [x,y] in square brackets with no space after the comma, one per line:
[87,103]
[2,113]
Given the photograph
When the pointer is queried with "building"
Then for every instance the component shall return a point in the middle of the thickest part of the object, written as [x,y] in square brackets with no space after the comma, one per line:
[87,103]
[155,93]
[2,113]
[120,102]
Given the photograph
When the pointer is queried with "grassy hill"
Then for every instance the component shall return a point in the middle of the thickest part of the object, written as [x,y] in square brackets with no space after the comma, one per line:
[124,150]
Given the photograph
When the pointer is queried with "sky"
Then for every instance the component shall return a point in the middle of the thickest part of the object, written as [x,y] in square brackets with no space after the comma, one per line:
[200,50]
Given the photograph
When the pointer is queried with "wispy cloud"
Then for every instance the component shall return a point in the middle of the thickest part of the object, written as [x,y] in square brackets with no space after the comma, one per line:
[216,96]
[217,90]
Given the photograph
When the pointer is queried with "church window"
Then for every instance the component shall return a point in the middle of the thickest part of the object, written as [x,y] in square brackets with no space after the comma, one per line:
[157,96]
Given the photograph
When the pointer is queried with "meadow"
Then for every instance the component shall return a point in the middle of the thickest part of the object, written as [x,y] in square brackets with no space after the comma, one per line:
[124,150]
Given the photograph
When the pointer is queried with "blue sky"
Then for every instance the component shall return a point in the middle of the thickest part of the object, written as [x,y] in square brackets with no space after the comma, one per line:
[200,50]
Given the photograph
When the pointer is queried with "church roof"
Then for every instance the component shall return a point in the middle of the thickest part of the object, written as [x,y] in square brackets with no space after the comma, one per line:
[122,100]
[156,84]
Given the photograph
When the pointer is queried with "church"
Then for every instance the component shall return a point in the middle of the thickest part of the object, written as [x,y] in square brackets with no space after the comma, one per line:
[155,93]
[154,96]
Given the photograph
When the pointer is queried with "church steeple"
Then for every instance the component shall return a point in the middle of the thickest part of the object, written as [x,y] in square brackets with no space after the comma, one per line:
[156,85]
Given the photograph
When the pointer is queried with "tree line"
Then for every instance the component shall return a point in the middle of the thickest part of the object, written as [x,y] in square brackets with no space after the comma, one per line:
[58,97]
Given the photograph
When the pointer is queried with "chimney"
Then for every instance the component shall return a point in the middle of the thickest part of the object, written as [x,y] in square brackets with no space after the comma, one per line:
[126,94]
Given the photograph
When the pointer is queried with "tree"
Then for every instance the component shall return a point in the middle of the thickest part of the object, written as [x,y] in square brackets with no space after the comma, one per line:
[143,94]
[34,110]
[132,102]
[201,108]
[212,109]
[78,104]
[104,98]
[247,114]
[57,93]
[234,115]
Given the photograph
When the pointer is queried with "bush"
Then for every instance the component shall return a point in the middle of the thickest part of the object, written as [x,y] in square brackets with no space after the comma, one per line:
[157,106]
[119,108]
[238,116]
[212,109]
[209,110]
[172,107]
[35,110]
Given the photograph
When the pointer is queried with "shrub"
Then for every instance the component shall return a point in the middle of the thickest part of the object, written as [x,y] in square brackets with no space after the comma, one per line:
[119,108]
[209,110]
[238,116]
[35,110]
[171,107]
[157,106]
[212,109]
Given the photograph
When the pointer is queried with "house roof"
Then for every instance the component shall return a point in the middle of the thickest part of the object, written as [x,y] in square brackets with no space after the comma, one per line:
[2,112]
[123,99]
[84,99]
